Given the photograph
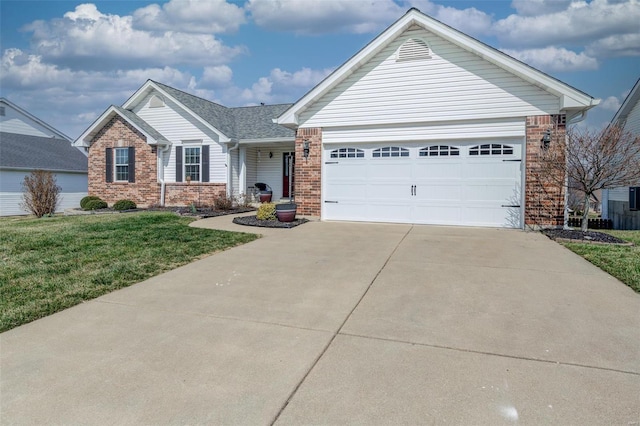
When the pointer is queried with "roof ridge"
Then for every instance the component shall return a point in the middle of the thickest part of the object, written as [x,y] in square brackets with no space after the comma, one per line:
[189,94]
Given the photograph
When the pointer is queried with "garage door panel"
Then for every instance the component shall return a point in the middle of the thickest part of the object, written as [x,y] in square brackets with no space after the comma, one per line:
[462,190]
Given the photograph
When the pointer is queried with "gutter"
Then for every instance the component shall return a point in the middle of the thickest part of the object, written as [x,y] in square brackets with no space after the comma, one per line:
[574,120]
[161,172]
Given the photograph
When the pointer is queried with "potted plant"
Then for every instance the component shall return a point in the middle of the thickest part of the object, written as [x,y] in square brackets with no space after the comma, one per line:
[265,192]
[286,212]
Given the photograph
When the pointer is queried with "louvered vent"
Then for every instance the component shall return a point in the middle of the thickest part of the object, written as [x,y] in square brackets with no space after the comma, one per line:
[156,102]
[413,49]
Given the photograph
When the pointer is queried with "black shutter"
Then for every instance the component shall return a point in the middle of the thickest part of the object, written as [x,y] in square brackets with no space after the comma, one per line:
[634,198]
[205,163]
[132,164]
[108,161]
[178,164]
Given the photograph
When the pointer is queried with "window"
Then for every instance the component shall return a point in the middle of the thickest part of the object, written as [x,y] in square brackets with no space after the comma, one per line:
[390,151]
[634,198]
[122,164]
[439,151]
[347,153]
[491,149]
[192,163]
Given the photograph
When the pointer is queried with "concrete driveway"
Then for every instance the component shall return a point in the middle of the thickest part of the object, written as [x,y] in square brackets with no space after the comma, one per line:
[342,323]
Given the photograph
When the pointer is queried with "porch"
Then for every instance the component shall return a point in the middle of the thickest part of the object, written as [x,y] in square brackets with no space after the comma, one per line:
[269,163]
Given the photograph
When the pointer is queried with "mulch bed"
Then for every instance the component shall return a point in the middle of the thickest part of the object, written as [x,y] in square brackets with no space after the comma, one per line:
[253,221]
[577,236]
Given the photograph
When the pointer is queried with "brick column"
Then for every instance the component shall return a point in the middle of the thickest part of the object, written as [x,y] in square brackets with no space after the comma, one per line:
[308,183]
[544,195]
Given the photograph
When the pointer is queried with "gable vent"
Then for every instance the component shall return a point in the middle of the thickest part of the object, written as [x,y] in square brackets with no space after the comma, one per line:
[413,49]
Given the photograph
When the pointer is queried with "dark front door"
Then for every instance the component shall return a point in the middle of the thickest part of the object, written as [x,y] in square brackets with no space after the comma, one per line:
[288,167]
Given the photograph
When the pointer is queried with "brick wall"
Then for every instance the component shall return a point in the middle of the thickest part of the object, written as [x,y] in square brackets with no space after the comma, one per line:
[201,194]
[120,134]
[308,182]
[544,195]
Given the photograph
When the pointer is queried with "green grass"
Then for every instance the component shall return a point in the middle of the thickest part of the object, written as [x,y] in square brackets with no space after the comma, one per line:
[620,261]
[50,264]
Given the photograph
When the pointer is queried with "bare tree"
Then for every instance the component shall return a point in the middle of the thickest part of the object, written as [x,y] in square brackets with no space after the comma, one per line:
[590,160]
[40,195]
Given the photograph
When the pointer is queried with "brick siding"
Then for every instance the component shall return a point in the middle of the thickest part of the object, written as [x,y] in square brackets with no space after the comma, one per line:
[544,196]
[308,183]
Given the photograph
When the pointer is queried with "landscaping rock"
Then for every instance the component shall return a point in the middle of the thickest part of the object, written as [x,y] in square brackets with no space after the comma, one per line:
[584,237]
[253,221]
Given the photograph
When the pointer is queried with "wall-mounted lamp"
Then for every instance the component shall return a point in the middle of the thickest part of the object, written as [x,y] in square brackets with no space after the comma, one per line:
[188,179]
[305,148]
[546,139]
[270,154]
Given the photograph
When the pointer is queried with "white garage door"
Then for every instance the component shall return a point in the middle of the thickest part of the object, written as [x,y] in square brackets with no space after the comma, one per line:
[474,184]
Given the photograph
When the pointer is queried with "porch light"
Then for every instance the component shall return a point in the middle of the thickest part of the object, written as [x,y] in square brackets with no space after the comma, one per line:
[546,139]
[305,148]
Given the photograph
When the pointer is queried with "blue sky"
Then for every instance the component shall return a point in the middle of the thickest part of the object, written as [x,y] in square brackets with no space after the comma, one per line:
[67,61]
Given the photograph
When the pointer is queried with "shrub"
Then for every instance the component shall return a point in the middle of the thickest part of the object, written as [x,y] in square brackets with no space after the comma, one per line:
[40,194]
[266,211]
[222,202]
[95,205]
[85,200]
[124,205]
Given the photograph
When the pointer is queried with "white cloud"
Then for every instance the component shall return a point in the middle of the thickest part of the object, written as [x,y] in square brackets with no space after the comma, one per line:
[554,59]
[610,104]
[190,16]
[539,7]
[320,17]
[616,45]
[470,21]
[89,39]
[216,76]
[581,23]
[283,86]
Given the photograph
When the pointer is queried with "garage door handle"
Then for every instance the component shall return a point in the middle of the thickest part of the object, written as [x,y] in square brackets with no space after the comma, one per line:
[509,205]
[513,160]
[413,190]
[330,162]
[330,202]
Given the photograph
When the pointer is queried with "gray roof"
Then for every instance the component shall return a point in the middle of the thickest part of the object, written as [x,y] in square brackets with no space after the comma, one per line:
[253,122]
[146,127]
[37,152]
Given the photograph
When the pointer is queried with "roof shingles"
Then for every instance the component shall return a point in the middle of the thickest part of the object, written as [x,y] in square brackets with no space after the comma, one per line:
[36,152]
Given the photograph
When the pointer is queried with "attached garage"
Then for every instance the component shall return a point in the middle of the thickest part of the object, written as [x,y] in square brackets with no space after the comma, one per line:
[446,183]
[428,125]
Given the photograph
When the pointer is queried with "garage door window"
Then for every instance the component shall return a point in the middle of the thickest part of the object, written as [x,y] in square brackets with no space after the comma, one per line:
[347,153]
[439,151]
[390,151]
[491,149]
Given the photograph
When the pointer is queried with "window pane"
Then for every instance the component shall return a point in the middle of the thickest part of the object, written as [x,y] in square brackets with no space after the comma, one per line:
[122,164]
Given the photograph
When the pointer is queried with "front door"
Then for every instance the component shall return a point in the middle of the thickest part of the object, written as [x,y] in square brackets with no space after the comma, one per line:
[288,164]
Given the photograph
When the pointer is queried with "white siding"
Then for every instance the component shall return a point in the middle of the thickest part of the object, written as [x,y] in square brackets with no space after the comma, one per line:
[16,122]
[619,194]
[176,125]
[633,120]
[437,131]
[251,169]
[452,85]
[73,187]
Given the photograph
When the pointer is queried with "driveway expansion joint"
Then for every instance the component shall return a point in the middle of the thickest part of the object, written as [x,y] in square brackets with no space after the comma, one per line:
[522,358]
[339,331]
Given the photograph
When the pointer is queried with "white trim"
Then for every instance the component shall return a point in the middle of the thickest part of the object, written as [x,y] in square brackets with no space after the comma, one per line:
[262,141]
[85,138]
[570,98]
[627,105]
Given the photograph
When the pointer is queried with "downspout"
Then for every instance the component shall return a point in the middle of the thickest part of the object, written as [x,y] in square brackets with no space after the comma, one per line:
[574,120]
[229,168]
[161,172]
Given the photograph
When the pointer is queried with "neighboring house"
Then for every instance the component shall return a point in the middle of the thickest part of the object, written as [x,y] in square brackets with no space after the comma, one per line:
[622,205]
[26,144]
[423,125]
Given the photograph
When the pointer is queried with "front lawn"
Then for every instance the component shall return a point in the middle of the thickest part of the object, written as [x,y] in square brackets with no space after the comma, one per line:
[50,264]
[620,261]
